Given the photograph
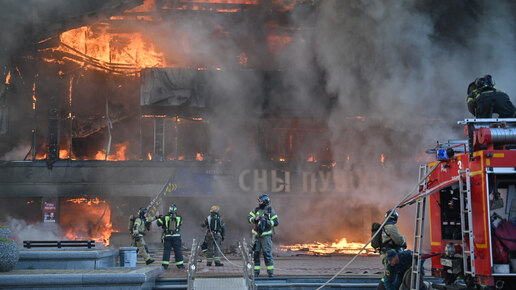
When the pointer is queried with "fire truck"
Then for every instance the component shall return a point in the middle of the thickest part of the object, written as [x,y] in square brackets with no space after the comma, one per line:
[471,193]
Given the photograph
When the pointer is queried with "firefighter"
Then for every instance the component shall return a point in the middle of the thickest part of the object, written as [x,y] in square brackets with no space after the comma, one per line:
[484,100]
[139,224]
[264,219]
[171,225]
[214,235]
[391,236]
[397,264]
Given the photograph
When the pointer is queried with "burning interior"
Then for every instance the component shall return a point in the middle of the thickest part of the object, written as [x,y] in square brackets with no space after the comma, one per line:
[111,104]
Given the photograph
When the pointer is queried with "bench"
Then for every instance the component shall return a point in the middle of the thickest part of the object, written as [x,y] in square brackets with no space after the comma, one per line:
[58,244]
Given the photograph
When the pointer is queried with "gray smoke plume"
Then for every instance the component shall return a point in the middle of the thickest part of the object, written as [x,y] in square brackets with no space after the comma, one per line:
[24,231]
[397,72]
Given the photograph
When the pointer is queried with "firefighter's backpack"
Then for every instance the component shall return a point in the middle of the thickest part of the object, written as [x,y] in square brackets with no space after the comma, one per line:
[214,222]
[172,224]
[132,218]
[376,242]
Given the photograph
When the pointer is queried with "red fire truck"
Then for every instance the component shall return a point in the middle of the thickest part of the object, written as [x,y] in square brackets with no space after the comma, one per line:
[471,194]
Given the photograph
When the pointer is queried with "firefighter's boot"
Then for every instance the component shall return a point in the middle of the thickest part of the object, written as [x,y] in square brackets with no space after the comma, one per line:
[256,273]
[208,264]
[270,273]
[218,264]
[149,261]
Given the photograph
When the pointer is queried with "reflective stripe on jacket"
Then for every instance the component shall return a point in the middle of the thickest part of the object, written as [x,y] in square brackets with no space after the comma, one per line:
[270,217]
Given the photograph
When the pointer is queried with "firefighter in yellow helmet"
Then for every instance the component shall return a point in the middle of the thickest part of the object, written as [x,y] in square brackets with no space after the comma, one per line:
[216,230]
[171,225]
[139,224]
[264,219]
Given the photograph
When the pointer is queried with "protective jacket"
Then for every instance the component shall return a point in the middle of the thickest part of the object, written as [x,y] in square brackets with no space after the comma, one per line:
[140,225]
[392,238]
[268,220]
[483,103]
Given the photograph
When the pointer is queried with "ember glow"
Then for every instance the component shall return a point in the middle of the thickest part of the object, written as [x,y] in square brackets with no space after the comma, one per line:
[338,247]
[86,218]
[64,154]
[34,100]
[118,153]
[8,78]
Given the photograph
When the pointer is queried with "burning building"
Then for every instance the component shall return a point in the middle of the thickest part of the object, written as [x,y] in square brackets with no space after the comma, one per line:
[103,102]
[117,98]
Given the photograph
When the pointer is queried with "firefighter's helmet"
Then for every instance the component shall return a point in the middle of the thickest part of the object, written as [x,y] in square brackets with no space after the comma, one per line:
[172,209]
[485,82]
[265,199]
[142,212]
[394,216]
[215,208]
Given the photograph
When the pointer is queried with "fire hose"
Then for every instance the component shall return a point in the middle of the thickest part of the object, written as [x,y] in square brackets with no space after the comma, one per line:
[383,223]
[220,251]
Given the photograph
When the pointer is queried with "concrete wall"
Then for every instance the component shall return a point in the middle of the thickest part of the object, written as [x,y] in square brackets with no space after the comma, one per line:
[67,259]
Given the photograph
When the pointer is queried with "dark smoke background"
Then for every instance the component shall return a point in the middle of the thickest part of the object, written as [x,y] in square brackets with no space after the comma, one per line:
[405,66]
[402,66]
[398,71]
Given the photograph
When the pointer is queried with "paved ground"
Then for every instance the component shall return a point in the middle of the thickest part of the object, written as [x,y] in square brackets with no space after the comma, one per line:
[291,266]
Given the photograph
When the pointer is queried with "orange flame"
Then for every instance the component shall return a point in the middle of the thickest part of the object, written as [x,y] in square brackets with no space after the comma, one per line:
[8,78]
[115,52]
[311,158]
[63,153]
[317,248]
[149,156]
[86,218]
[119,155]
[199,157]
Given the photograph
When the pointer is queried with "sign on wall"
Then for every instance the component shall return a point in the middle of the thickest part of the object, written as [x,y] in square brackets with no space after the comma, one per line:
[49,211]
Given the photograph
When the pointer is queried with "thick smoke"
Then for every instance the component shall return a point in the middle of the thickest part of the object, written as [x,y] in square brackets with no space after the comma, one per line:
[24,231]
[403,67]
[398,71]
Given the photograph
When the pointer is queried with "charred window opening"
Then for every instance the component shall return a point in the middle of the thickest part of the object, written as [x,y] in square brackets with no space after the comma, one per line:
[85,218]
[22,208]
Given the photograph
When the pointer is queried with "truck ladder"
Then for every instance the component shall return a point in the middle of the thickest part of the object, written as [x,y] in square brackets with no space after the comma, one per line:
[415,277]
[466,227]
